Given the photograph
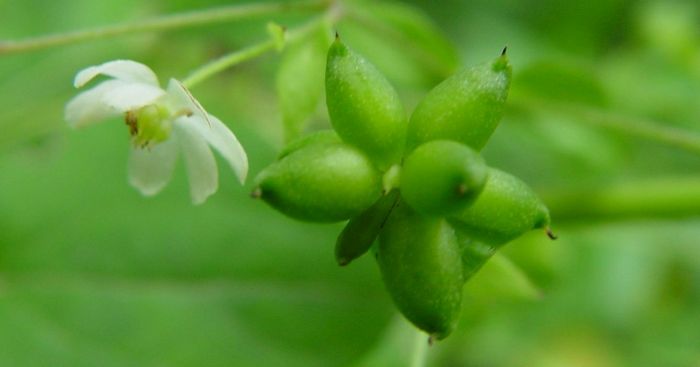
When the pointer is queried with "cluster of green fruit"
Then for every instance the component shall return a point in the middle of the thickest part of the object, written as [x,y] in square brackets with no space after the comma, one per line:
[419,185]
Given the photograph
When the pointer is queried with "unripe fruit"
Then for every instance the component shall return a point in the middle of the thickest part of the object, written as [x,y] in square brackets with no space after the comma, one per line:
[506,208]
[466,107]
[442,177]
[315,138]
[360,232]
[364,108]
[320,183]
[421,266]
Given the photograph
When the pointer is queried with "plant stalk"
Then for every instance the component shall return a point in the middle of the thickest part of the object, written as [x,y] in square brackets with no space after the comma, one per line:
[671,197]
[161,23]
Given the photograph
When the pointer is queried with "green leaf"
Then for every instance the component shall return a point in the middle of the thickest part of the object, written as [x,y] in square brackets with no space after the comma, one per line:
[300,79]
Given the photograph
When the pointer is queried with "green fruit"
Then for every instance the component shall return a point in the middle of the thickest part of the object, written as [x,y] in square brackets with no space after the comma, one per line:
[317,137]
[360,232]
[421,266]
[364,108]
[321,183]
[442,177]
[506,208]
[466,107]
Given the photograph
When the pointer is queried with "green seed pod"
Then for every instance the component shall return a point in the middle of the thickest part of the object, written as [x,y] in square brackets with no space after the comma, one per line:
[321,183]
[317,137]
[506,208]
[442,177]
[360,232]
[421,266]
[466,107]
[364,108]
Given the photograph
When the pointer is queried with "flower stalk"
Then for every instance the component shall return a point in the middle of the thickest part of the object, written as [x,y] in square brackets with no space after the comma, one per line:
[234,58]
[218,65]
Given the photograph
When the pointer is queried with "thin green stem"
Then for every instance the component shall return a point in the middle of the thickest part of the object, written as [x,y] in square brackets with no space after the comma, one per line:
[162,23]
[226,61]
[420,350]
[671,197]
[642,128]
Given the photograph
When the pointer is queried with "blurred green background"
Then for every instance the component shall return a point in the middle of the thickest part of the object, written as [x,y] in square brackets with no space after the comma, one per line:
[93,274]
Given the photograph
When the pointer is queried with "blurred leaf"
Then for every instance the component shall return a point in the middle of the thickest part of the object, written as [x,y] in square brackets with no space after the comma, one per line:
[583,28]
[640,83]
[93,274]
[558,81]
[535,147]
[300,80]
[426,41]
[538,256]
[572,348]
[586,147]
[402,41]
[397,346]
[500,278]
[670,27]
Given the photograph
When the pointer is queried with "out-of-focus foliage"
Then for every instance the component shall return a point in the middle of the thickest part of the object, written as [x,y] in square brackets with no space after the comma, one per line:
[300,80]
[93,274]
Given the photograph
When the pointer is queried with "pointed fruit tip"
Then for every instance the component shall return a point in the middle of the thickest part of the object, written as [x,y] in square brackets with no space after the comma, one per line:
[338,48]
[256,194]
[550,234]
[501,63]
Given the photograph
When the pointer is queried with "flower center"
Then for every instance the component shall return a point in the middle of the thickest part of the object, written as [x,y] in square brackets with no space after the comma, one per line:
[149,125]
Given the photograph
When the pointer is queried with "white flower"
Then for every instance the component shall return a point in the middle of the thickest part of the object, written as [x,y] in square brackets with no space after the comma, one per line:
[161,123]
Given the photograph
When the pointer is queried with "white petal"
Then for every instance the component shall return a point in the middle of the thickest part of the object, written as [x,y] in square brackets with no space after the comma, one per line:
[221,138]
[125,70]
[199,161]
[89,107]
[151,169]
[181,98]
[129,96]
